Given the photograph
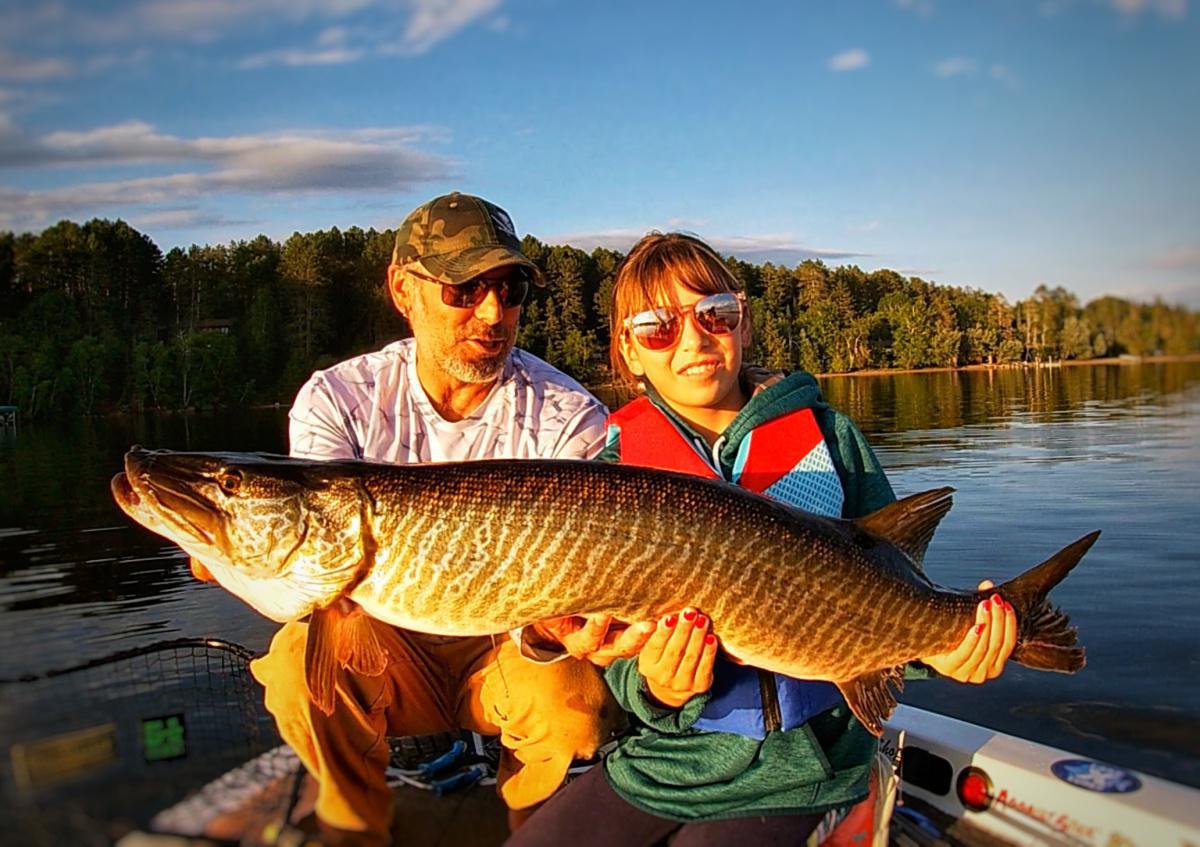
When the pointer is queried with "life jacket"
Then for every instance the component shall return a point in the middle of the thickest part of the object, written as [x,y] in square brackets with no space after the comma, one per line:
[786,459]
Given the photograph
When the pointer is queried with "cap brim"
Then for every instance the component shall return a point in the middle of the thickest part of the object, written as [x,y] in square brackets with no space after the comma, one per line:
[462,265]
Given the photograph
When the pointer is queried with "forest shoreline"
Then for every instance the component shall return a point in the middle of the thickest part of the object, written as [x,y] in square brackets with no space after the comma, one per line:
[1012,366]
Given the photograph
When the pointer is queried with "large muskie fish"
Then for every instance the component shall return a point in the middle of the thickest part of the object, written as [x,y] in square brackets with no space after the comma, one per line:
[484,547]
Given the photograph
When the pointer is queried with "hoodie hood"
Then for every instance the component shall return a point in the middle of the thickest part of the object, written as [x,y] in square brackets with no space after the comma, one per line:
[796,391]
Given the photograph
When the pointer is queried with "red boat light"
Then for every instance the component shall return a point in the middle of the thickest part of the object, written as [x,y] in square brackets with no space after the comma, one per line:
[974,789]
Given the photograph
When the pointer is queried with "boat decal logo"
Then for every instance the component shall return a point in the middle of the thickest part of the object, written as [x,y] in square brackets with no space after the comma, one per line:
[1096,776]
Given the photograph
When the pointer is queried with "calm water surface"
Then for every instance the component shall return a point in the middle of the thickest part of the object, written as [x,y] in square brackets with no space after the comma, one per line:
[1038,458]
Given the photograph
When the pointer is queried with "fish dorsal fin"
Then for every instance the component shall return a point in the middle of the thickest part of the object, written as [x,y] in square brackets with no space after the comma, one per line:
[342,635]
[871,698]
[910,523]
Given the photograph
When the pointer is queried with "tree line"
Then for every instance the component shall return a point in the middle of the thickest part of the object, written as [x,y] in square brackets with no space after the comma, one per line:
[94,317]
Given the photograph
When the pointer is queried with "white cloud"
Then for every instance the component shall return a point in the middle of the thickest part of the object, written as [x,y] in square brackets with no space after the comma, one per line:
[300,58]
[208,19]
[1177,258]
[1003,75]
[186,218]
[850,60]
[1174,9]
[1183,294]
[920,7]
[138,143]
[1169,9]
[432,21]
[778,248]
[294,162]
[334,36]
[956,66]
[687,224]
[408,28]
[28,69]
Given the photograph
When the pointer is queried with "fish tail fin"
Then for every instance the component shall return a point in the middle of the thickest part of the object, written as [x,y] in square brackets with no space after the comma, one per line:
[1045,636]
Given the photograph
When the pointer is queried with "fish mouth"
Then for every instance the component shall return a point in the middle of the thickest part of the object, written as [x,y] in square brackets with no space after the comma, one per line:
[164,488]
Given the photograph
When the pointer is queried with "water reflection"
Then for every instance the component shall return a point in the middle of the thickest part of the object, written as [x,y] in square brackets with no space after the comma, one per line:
[1038,459]
[951,399]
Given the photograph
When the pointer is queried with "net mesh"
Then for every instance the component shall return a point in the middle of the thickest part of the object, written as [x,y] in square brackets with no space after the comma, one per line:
[94,750]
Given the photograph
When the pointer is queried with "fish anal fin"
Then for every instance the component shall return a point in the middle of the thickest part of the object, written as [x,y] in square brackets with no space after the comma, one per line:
[911,522]
[341,635]
[871,696]
[1049,657]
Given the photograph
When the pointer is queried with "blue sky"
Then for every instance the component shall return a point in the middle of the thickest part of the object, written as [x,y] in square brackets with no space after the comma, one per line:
[999,145]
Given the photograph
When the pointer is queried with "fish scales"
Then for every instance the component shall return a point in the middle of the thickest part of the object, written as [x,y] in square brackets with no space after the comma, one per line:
[482,547]
[563,575]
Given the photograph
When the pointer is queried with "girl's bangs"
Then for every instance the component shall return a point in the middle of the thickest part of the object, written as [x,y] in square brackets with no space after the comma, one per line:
[650,281]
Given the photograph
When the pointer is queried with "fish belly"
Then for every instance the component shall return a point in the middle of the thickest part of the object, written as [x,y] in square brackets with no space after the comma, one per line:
[485,549]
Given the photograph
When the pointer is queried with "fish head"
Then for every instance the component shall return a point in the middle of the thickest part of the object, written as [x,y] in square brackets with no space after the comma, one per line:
[283,535]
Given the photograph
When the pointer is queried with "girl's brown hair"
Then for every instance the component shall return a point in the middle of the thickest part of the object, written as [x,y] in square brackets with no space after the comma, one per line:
[644,280]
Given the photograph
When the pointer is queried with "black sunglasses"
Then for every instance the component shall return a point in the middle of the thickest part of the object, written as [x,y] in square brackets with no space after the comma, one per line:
[511,289]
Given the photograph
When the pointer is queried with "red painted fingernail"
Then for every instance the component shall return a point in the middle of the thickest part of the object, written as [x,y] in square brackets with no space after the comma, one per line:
[979,629]
[670,620]
[1007,606]
[996,599]
[688,614]
[710,639]
[700,621]
[983,607]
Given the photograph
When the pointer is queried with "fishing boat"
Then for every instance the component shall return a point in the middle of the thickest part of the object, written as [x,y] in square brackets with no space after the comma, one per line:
[959,784]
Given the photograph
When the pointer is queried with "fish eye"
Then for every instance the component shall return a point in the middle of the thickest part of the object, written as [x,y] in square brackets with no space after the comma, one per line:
[230,481]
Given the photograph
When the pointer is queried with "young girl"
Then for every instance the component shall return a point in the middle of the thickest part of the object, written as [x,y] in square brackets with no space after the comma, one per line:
[723,753]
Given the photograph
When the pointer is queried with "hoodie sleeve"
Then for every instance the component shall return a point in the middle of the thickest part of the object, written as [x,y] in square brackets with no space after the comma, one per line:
[629,688]
[863,479]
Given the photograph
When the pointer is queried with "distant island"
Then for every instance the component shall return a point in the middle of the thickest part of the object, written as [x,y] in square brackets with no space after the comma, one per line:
[95,318]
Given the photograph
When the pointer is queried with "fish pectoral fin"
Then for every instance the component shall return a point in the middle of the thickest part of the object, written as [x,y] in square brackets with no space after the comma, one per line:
[342,635]
[199,571]
[358,646]
[871,697]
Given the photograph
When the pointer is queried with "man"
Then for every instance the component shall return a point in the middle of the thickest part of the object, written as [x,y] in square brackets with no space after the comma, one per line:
[457,390]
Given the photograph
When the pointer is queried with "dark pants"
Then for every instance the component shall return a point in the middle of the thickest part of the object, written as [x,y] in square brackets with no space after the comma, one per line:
[588,813]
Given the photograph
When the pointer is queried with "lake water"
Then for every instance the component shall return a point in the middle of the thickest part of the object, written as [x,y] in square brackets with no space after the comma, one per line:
[1038,459]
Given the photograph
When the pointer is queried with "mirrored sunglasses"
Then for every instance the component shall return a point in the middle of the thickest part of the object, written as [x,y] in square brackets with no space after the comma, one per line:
[659,329]
[512,289]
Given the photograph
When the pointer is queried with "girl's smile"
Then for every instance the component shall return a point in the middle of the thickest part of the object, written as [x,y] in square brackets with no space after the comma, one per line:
[697,376]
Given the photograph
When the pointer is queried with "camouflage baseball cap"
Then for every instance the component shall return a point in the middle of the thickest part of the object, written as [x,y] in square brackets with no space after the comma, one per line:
[457,237]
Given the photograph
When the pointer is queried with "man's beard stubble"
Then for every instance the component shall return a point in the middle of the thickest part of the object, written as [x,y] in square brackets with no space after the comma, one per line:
[475,370]
[451,357]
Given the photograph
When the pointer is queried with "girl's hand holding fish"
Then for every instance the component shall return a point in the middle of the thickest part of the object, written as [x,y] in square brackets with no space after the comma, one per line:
[985,649]
[677,661]
[596,638]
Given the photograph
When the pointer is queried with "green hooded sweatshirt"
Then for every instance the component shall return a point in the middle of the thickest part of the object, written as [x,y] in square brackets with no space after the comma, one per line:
[668,769]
